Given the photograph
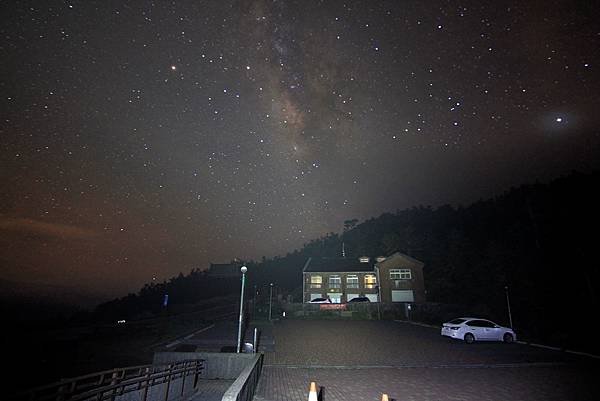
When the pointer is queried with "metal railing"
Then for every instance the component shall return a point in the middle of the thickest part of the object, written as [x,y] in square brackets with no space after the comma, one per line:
[245,385]
[109,384]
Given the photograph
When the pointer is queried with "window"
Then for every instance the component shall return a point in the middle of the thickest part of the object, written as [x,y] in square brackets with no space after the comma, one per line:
[352,281]
[370,281]
[316,281]
[480,323]
[335,281]
[400,274]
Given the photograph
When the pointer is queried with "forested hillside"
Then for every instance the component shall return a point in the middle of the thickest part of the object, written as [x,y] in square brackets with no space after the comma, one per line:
[537,240]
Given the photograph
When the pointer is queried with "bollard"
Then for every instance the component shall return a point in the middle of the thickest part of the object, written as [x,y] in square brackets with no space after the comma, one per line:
[312,393]
[255,339]
[384,397]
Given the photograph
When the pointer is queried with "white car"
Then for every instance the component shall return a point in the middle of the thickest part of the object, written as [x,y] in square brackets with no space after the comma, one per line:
[471,329]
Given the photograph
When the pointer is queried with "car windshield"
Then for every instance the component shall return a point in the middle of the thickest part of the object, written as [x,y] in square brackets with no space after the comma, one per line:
[318,300]
[457,321]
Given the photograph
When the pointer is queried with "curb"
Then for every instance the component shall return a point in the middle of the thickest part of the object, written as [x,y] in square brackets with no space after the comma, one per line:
[421,366]
[418,324]
[568,351]
[189,336]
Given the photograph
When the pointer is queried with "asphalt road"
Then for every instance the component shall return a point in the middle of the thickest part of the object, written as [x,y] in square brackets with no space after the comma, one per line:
[360,360]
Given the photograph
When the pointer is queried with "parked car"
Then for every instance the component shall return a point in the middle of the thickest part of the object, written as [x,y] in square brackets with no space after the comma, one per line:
[471,329]
[321,301]
[360,299]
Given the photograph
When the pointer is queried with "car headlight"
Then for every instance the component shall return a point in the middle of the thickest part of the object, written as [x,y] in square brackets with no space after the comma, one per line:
[454,328]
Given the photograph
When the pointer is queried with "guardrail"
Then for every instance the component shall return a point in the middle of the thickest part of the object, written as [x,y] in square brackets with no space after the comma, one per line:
[110,384]
[245,385]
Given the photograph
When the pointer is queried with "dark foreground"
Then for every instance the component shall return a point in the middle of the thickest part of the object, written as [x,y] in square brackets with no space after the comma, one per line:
[39,354]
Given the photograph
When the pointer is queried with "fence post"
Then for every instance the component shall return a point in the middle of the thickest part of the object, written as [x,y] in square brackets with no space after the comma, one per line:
[62,390]
[185,369]
[197,366]
[114,380]
[168,382]
[147,386]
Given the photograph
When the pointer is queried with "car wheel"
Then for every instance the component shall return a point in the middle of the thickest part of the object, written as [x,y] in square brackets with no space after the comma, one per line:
[508,338]
[469,338]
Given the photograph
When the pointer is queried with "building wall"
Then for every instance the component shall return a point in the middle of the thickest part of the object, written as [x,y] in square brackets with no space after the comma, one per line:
[416,283]
[343,290]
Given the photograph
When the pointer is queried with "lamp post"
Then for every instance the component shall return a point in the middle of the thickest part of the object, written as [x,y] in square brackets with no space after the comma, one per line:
[508,305]
[243,269]
[270,301]
[378,287]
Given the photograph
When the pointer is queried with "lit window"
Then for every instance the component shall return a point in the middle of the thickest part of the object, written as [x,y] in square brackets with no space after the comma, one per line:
[370,281]
[400,274]
[335,281]
[316,281]
[352,281]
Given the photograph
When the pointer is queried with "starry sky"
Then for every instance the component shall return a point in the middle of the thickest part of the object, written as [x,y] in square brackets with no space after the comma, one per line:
[140,139]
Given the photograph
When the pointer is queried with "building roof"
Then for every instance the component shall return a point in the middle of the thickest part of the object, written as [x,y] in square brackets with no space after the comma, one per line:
[404,256]
[323,265]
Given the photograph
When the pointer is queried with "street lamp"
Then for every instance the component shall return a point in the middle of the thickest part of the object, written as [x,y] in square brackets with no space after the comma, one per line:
[270,301]
[508,305]
[243,269]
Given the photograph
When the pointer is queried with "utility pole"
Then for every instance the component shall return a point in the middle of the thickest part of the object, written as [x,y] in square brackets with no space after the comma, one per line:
[270,301]
[508,305]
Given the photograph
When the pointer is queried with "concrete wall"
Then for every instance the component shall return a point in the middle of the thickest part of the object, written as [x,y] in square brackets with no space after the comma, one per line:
[217,365]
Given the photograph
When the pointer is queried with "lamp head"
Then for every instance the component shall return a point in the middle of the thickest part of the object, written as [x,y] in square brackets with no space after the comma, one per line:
[244,269]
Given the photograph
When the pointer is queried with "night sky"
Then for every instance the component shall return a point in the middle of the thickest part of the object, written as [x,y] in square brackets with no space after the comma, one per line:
[142,139]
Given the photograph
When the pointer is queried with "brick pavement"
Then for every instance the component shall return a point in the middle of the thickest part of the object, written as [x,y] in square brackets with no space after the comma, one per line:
[358,360]
[455,383]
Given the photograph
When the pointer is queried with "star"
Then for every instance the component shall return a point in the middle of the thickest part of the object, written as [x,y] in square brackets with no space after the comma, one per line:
[321,93]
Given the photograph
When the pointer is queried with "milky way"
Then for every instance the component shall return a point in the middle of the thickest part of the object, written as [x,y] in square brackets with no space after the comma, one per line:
[143,139]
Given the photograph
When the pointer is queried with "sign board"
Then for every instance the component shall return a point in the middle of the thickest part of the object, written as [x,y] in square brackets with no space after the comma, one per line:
[332,306]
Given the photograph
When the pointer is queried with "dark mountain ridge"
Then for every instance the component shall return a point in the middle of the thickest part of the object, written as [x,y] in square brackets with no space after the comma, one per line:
[535,240]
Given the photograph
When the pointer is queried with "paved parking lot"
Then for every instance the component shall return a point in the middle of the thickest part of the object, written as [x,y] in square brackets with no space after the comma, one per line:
[359,360]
